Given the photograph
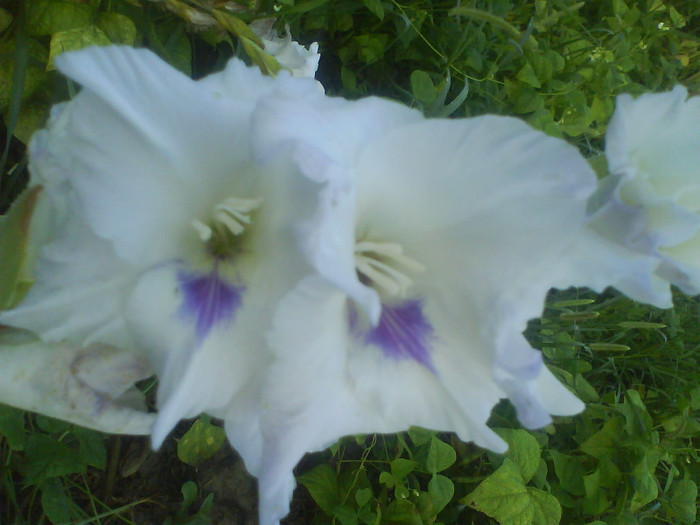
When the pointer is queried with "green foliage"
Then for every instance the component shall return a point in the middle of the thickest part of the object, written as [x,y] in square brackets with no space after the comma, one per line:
[200,442]
[51,457]
[631,458]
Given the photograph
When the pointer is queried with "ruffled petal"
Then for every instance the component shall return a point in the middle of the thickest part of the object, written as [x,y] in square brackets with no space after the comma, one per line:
[148,150]
[651,201]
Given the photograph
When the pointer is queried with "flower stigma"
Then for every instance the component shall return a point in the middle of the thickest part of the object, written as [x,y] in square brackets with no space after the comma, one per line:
[376,264]
[229,220]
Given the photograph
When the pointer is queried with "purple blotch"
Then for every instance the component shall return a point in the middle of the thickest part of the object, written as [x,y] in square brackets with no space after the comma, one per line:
[403,332]
[208,300]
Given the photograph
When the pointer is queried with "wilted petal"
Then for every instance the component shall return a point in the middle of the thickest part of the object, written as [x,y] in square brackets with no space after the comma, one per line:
[90,386]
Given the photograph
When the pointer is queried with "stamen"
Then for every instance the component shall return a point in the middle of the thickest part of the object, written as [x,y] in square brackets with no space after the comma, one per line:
[229,219]
[233,213]
[376,261]
[204,231]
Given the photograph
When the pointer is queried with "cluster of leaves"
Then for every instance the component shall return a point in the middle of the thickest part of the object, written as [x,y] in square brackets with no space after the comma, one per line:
[558,63]
[52,458]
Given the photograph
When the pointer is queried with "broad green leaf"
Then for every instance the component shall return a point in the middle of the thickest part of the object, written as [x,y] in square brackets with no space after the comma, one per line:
[422,87]
[545,507]
[523,450]
[420,436]
[322,484]
[684,500]
[120,29]
[92,447]
[56,504]
[376,7]
[46,457]
[404,512]
[12,426]
[363,496]
[401,467]
[503,496]
[345,514]
[570,472]
[441,456]
[528,76]
[595,501]
[200,442]
[47,17]
[14,248]
[441,490]
[75,39]
[637,419]
[606,440]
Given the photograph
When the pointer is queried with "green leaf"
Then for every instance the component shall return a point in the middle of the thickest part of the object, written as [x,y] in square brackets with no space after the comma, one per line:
[56,504]
[92,447]
[45,457]
[637,419]
[14,248]
[420,436]
[376,7]
[363,496]
[422,87]
[322,484]
[47,17]
[523,450]
[605,442]
[528,76]
[683,500]
[404,512]
[441,456]
[12,426]
[5,19]
[546,508]
[503,496]
[120,29]
[200,442]
[570,472]
[189,494]
[441,490]
[401,467]
[75,39]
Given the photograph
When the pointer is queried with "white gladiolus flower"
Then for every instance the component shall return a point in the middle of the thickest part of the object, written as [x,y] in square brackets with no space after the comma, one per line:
[167,237]
[650,202]
[433,242]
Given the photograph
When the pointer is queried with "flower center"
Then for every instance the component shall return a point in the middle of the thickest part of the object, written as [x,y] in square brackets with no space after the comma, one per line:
[383,265]
[229,220]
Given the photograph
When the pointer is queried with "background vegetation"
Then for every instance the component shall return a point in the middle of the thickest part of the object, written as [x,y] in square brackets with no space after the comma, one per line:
[633,457]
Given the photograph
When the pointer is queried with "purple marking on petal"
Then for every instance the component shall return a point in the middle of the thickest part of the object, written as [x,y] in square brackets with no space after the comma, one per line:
[208,300]
[403,332]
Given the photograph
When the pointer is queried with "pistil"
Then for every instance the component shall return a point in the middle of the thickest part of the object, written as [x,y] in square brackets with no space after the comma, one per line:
[229,220]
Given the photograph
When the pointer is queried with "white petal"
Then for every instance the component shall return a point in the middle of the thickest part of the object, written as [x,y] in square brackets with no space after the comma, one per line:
[651,201]
[80,285]
[88,386]
[148,150]
[326,384]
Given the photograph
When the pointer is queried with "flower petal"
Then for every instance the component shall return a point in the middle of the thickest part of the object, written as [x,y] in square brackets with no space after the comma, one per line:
[90,386]
[327,382]
[148,150]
